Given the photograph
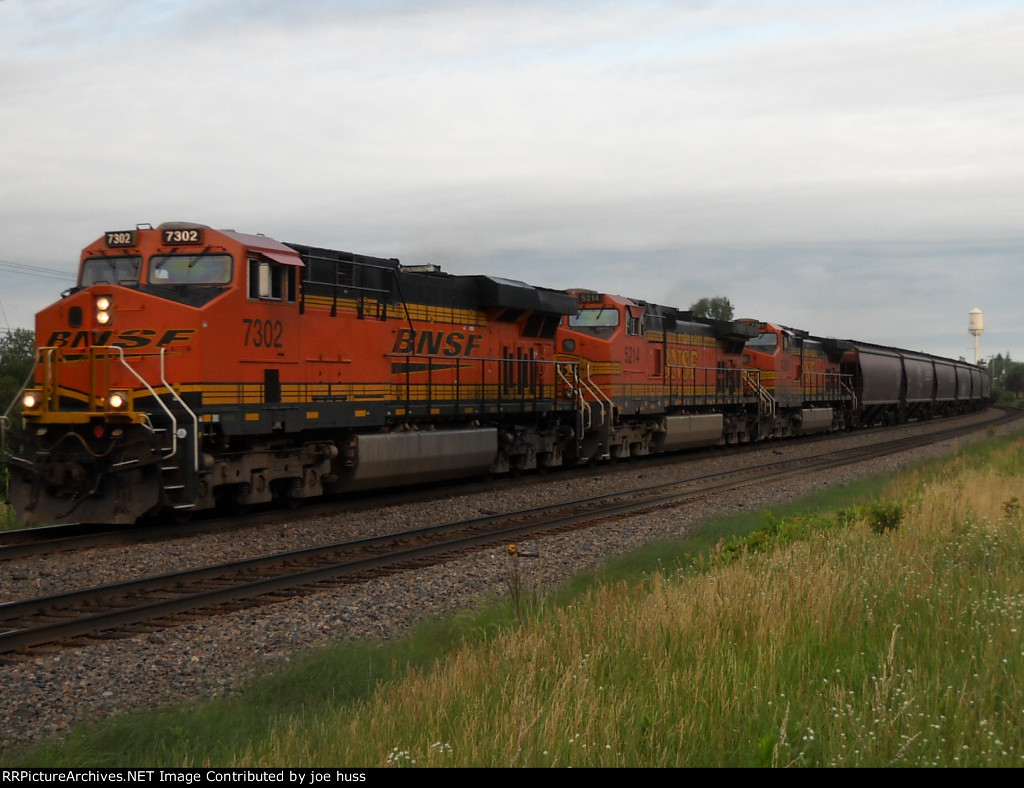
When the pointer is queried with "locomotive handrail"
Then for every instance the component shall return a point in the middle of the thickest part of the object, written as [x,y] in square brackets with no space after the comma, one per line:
[51,387]
[180,401]
[581,403]
[599,396]
[150,389]
[360,291]
[752,378]
[530,387]
[851,390]
[401,297]
[711,382]
[827,384]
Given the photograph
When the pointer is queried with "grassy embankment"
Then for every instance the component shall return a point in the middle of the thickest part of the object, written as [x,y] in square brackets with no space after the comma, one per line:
[872,625]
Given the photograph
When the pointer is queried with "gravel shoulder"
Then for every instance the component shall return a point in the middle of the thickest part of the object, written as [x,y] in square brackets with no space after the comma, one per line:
[47,694]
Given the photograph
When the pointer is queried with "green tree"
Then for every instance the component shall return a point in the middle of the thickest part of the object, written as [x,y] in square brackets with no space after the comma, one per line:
[996,367]
[716,308]
[1007,379]
[1013,380]
[17,352]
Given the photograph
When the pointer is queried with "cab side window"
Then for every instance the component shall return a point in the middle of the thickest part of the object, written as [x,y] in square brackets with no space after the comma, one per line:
[270,281]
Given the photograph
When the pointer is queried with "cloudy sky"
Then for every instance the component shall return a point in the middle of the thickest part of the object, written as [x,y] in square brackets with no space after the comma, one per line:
[851,167]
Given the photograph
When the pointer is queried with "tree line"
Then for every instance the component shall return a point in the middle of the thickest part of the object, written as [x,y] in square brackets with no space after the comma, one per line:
[17,354]
[17,351]
[1007,379]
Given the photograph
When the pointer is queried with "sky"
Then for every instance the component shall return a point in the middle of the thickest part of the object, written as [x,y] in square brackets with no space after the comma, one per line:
[853,168]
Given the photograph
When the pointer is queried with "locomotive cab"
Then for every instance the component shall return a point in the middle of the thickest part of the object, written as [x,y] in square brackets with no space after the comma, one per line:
[607,332]
[771,352]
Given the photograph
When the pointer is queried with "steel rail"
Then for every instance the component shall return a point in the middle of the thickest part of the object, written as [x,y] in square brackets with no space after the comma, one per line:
[75,536]
[360,556]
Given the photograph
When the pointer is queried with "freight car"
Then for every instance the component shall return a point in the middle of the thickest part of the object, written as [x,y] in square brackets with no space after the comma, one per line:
[192,368]
[893,385]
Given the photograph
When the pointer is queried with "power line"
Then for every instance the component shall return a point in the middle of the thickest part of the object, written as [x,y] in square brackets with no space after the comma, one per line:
[8,266]
[35,270]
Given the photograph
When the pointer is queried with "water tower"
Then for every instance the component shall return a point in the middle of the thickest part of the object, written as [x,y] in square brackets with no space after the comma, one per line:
[976,328]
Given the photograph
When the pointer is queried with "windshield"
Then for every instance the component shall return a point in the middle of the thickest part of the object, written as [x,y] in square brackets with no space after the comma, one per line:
[764,343]
[190,269]
[111,271]
[603,317]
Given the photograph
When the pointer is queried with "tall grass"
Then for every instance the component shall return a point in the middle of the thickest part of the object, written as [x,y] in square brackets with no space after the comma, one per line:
[872,635]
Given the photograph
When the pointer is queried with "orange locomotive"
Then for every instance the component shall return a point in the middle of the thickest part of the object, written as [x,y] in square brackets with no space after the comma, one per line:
[653,378]
[802,380]
[193,368]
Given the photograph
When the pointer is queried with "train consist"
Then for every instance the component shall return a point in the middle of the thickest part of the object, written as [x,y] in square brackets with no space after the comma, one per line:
[192,368]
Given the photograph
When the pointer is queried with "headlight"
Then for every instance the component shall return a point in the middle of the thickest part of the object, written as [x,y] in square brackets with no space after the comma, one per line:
[118,400]
[31,400]
[103,307]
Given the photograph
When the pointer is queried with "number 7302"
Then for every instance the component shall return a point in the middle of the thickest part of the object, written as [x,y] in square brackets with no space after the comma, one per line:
[263,333]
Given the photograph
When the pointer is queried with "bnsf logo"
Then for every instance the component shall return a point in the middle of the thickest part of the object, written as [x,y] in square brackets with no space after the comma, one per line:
[436,343]
[133,338]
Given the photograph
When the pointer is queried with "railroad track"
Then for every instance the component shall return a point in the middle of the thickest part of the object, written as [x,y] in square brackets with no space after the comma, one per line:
[127,608]
[69,537]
